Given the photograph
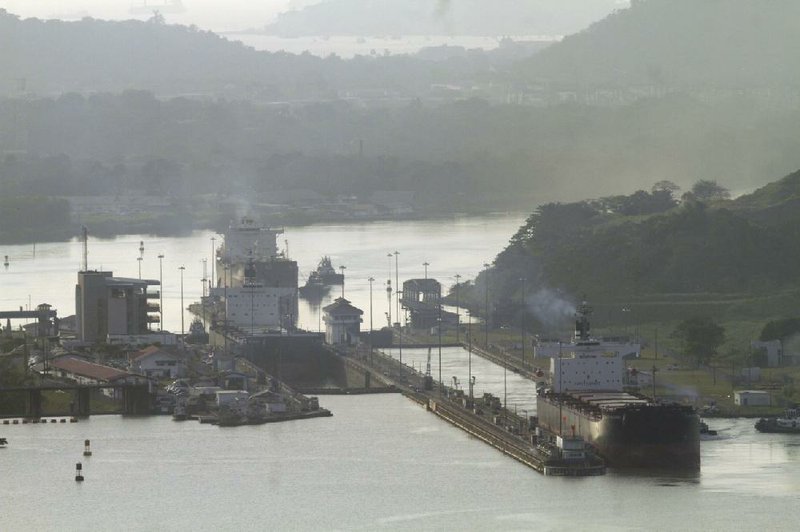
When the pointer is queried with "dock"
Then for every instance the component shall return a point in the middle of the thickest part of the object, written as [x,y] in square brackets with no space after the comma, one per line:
[482,418]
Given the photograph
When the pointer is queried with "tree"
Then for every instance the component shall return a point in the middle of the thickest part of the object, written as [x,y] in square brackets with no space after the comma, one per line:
[665,186]
[780,329]
[700,337]
[705,190]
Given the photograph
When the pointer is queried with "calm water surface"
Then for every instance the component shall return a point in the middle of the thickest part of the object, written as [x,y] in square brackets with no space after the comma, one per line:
[381,462]
[48,272]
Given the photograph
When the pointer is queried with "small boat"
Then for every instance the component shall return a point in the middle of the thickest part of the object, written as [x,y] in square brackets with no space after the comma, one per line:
[179,413]
[3,442]
[788,424]
[314,286]
[705,431]
[327,273]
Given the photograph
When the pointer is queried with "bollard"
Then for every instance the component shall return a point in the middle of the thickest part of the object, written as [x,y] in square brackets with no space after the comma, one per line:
[86,450]
[62,420]
[53,421]
[78,472]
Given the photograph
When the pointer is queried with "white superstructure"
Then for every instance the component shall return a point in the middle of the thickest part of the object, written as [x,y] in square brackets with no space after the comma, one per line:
[586,364]
[247,241]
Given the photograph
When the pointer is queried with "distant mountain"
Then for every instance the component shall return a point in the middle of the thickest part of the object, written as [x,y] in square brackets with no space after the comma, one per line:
[681,43]
[51,57]
[441,17]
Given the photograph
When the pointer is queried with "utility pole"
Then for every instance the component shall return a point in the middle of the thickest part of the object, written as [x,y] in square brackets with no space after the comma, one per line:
[371,280]
[182,268]
[522,320]
[458,324]
[486,320]
[161,288]
[213,260]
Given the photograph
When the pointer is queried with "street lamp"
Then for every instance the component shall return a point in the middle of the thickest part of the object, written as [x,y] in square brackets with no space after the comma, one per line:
[522,320]
[397,283]
[486,321]
[139,260]
[161,286]
[439,319]
[469,349]
[425,265]
[213,260]
[371,280]
[341,269]
[389,291]
[182,268]
[458,321]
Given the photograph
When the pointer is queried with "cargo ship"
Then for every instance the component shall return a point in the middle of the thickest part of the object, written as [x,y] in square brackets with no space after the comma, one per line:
[586,398]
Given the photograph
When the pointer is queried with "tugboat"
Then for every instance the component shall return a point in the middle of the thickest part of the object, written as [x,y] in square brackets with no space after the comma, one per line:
[314,286]
[179,412]
[788,424]
[326,272]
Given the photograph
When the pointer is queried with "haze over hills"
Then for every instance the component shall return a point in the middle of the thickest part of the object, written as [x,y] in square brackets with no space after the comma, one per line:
[441,17]
[730,258]
[680,43]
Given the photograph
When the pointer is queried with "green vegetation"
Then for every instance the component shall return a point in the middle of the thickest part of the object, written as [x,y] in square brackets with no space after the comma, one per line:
[679,43]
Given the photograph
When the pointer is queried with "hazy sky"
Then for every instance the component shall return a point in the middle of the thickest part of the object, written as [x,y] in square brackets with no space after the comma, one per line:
[218,15]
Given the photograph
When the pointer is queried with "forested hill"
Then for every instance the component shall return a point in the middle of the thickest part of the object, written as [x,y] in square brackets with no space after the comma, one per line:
[50,57]
[441,17]
[681,43]
[652,244]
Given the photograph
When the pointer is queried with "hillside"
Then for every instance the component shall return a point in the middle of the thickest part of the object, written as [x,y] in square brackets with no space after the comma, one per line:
[680,43]
[440,17]
[645,249]
[51,57]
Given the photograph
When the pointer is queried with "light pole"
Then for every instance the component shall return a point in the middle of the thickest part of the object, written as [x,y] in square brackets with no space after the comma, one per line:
[161,288]
[458,321]
[225,309]
[522,320]
[425,265]
[182,268]
[139,260]
[397,283]
[389,290]
[486,321]
[469,350]
[213,260]
[439,301]
[341,269]
[371,280]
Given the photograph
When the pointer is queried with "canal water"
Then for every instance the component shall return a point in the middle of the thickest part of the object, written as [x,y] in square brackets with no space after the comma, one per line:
[381,462]
[47,272]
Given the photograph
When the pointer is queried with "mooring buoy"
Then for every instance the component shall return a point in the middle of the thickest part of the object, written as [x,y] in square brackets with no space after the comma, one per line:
[78,472]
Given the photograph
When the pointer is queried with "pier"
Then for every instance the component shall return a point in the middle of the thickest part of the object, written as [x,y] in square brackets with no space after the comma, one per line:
[483,417]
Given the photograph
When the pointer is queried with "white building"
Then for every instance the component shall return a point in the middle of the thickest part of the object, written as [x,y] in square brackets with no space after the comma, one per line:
[751,398]
[342,322]
[232,398]
[156,362]
[773,349]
